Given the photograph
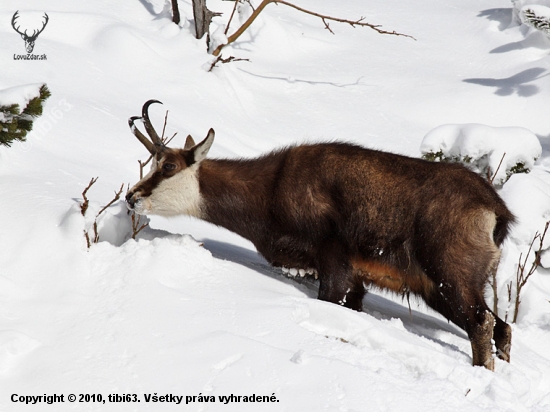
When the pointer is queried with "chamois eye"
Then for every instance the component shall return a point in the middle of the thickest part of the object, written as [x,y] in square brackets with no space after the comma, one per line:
[168,167]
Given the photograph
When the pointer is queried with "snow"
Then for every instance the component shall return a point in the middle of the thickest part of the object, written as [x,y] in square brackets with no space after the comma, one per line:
[189,309]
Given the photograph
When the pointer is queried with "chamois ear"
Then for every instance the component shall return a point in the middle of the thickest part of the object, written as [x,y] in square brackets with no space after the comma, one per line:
[189,143]
[201,150]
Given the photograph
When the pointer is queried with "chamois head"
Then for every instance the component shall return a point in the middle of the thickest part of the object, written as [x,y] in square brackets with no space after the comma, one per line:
[171,187]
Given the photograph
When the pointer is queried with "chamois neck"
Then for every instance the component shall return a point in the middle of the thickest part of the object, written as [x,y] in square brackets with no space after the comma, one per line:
[236,194]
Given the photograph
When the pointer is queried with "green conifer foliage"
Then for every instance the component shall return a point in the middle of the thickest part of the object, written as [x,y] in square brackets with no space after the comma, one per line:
[538,21]
[16,123]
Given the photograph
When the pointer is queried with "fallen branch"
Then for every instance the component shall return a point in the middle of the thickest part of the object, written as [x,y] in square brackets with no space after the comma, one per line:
[230,59]
[323,17]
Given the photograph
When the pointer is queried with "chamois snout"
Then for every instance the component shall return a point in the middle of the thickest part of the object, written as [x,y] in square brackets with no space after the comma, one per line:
[131,200]
[137,203]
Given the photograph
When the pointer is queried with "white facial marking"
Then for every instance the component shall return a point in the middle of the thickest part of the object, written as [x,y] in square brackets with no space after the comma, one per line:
[177,195]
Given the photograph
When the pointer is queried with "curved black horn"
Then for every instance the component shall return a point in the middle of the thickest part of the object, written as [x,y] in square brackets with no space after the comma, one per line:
[147,123]
[153,143]
[140,136]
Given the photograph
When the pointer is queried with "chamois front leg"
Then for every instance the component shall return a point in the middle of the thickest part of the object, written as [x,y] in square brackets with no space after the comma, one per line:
[337,281]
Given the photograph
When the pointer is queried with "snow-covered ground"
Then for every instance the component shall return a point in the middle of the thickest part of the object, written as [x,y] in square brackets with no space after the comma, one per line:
[165,315]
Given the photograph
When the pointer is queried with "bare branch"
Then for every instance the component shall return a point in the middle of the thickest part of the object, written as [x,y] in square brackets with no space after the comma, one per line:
[323,17]
[521,277]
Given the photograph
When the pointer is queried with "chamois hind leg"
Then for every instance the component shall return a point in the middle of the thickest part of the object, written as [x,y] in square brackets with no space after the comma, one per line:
[460,270]
[338,283]
[503,339]
[468,310]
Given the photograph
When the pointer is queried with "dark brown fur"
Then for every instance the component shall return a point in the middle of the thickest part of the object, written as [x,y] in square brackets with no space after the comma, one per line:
[360,216]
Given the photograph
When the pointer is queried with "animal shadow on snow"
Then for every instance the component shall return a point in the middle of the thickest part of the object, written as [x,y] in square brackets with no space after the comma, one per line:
[428,325]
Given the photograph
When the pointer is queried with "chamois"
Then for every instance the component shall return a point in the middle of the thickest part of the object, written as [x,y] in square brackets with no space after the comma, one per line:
[354,216]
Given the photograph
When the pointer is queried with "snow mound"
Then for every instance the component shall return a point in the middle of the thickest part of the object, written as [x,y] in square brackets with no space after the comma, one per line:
[113,225]
[20,95]
[483,148]
[14,345]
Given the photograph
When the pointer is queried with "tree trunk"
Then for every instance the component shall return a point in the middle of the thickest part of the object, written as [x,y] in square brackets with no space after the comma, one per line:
[175,12]
[202,16]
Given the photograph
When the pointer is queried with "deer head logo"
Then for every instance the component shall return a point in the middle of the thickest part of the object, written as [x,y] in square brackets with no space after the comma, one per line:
[29,39]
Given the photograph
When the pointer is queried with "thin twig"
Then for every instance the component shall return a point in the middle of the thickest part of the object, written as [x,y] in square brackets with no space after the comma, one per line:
[169,140]
[136,228]
[231,17]
[326,25]
[117,196]
[521,278]
[250,4]
[86,202]
[164,127]
[141,166]
[495,292]
[491,179]
[509,287]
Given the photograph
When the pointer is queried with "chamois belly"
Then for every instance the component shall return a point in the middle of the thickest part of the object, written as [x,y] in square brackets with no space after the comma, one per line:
[389,277]
[295,255]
